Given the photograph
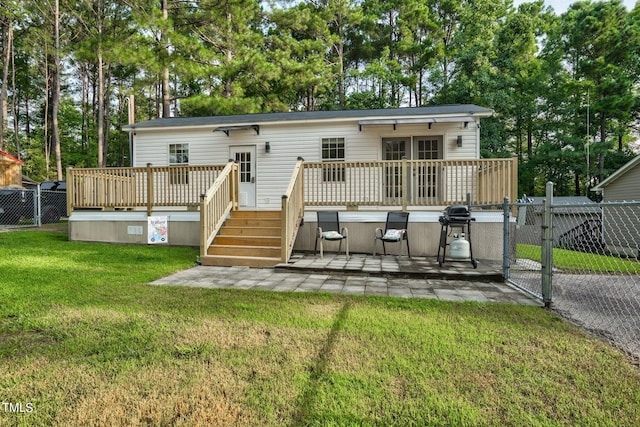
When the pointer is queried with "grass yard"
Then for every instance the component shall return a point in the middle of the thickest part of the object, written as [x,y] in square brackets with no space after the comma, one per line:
[84,340]
[581,262]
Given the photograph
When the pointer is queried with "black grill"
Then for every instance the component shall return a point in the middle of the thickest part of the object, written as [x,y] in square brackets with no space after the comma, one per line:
[456,214]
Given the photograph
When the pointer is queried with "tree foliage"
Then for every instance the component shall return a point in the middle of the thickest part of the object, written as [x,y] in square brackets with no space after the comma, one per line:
[546,75]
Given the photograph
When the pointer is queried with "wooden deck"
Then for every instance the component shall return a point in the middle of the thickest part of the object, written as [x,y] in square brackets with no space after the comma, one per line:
[213,190]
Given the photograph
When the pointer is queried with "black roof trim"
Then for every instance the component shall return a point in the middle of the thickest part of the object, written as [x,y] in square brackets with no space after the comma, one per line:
[261,118]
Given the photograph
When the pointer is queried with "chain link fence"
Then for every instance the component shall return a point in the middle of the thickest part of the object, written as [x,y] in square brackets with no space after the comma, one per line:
[587,268]
[31,207]
[525,262]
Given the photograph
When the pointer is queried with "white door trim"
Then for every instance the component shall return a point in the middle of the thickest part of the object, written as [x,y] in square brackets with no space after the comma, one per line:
[245,155]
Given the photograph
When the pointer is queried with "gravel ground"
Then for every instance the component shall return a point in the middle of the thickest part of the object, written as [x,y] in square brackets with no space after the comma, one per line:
[607,305]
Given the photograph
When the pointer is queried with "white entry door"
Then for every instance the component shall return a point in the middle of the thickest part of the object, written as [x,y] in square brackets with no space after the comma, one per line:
[245,156]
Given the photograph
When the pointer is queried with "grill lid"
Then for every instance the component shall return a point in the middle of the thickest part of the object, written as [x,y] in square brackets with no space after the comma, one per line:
[457,211]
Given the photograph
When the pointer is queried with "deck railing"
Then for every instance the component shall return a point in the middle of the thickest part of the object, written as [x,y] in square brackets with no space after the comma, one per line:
[292,210]
[134,187]
[216,204]
[409,182]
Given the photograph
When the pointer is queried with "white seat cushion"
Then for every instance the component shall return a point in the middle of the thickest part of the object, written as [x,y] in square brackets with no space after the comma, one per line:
[332,235]
[392,235]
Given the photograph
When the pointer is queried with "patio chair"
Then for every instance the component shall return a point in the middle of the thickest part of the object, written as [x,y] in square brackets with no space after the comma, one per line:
[329,229]
[395,231]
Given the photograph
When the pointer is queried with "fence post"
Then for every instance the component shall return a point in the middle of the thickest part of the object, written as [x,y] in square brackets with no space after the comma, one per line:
[547,246]
[37,206]
[506,238]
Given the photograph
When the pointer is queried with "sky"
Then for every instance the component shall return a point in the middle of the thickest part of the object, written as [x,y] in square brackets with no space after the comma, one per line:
[561,6]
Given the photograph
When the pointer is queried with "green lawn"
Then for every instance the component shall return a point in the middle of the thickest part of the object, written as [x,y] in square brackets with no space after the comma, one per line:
[84,340]
[581,262]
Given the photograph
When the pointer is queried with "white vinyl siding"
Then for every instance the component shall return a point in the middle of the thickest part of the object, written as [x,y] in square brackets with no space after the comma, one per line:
[289,141]
[625,187]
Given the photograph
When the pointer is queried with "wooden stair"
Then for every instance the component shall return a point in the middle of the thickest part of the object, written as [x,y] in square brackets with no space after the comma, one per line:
[247,238]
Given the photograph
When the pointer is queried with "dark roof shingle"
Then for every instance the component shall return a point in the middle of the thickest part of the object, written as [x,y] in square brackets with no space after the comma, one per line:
[262,118]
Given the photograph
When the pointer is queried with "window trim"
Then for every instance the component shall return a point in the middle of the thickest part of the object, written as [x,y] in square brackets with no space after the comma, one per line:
[179,177]
[334,174]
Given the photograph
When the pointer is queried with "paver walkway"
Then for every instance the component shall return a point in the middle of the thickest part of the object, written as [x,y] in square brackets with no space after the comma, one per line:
[394,266]
[399,283]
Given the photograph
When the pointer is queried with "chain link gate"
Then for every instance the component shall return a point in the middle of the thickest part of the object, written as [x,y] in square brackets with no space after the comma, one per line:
[583,260]
[525,248]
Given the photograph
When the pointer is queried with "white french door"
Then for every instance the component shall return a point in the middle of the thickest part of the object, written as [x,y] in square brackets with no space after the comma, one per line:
[245,156]
[427,180]
[424,181]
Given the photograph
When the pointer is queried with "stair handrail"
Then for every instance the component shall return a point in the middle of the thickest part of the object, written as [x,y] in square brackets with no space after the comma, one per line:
[292,210]
[215,205]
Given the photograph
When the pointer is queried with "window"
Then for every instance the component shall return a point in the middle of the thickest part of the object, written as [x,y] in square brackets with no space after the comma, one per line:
[244,162]
[429,148]
[179,156]
[333,152]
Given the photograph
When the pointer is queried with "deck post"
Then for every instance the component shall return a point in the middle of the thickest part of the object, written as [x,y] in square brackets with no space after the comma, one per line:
[405,184]
[203,225]
[149,189]
[514,179]
[234,186]
[301,172]
[70,190]
[284,235]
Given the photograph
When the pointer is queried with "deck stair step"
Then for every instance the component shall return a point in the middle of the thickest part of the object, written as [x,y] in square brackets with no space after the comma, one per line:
[239,250]
[243,240]
[247,238]
[250,231]
[253,222]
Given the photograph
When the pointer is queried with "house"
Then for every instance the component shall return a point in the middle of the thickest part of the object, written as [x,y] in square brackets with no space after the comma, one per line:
[267,145]
[620,221]
[577,223]
[10,170]
[622,185]
[363,162]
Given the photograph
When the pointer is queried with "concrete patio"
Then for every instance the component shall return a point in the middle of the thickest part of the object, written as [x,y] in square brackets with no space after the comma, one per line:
[393,266]
[362,275]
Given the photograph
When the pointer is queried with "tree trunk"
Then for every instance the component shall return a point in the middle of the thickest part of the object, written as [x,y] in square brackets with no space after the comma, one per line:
[603,141]
[7,42]
[101,144]
[84,77]
[166,100]
[55,131]
[47,102]
[107,114]
[15,107]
